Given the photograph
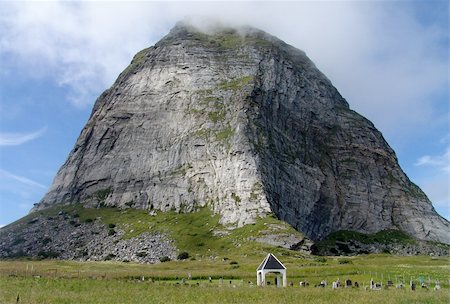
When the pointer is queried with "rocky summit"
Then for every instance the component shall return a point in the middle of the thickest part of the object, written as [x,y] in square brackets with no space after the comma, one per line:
[244,124]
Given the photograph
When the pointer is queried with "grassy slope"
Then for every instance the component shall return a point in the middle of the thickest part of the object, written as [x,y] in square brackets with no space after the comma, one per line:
[192,232]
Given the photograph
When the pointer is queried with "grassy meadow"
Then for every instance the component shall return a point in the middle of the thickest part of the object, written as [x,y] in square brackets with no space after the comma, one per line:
[54,281]
[229,256]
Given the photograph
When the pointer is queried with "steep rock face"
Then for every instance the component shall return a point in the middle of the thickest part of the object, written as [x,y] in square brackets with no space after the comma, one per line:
[246,124]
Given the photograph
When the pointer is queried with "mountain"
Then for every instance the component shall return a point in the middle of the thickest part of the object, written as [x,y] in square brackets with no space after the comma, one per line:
[245,125]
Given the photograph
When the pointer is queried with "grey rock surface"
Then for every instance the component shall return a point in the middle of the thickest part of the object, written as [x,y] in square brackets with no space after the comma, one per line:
[272,236]
[64,237]
[247,125]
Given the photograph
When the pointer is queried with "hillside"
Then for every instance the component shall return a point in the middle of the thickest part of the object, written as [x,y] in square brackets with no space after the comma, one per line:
[74,232]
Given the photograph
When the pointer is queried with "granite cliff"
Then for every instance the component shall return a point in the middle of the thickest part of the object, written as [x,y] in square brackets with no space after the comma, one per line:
[240,122]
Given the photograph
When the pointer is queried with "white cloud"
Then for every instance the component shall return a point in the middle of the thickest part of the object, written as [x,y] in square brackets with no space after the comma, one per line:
[5,175]
[379,55]
[440,161]
[15,139]
[438,191]
[83,46]
[435,179]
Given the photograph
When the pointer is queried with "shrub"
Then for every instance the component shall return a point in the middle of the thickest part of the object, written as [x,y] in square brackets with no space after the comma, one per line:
[112,225]
[235,197]
[47,254]
[18,254]
[321,260]
[164,259]
[111,232]
[141,254]
[101,195]
[345,261]
[183,256]
[109,257]
[233,263]
[88,220]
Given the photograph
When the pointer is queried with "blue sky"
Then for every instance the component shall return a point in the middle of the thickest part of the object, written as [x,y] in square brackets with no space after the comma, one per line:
[390,60]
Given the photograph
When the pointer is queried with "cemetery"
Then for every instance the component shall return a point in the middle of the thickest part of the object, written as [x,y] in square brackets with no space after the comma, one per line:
[287,279]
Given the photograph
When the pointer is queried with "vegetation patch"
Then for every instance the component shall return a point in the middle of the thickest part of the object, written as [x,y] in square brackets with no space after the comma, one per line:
[47,255]
[321,259]
[345,261]
[35,220]
[202,133]
[392,178]
[414,190]
[109,257]
[216,116]
[183,255]
[382,237]
[225,134]
[257,186]
[181,170]
[137,60]
[164,259]
[230,39]
[236,84]
[101,195]
[141,254]
[236,197]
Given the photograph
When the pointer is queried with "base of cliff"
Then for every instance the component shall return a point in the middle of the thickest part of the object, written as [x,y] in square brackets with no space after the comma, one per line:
[386,241]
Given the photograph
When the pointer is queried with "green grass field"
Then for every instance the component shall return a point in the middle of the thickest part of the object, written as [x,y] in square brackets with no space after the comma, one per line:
[230,256]
[54,281]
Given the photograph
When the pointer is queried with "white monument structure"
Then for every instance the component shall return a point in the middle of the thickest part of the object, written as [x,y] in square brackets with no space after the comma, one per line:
[271,265]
